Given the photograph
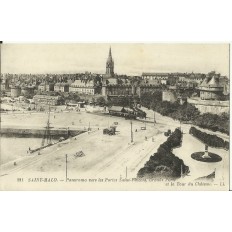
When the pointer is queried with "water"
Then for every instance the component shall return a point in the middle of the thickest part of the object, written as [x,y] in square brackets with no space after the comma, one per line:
[13,148]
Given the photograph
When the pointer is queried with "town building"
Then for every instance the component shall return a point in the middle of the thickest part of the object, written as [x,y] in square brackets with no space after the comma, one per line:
[83,87]
[224,81]
[27,90]
[114,85]
[144,88]
[211,98]
[42,87]
[117,90]
[49,87]
[161,78]
[195,78]
[15,91]
[46,86]
[115,110]
[4,84]
[61,87]
[210,89]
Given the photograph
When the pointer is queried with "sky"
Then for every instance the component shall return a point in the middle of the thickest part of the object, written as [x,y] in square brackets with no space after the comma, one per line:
[129,58]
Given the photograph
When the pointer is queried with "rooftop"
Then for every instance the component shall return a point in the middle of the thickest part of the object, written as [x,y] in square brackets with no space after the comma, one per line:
[154,74]
[61,84]
[116,108]
[82,83]
[212,82]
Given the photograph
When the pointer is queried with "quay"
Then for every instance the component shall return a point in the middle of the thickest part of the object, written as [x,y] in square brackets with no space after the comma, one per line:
[39,132]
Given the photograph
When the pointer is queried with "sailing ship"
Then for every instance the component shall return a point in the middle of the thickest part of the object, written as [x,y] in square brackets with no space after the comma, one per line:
[47,138]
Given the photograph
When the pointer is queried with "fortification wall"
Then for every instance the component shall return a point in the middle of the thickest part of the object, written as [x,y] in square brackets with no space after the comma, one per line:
[210,106]
[37,133]
[169,96]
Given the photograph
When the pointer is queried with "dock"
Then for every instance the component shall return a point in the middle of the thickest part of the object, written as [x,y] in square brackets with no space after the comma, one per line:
[39,132]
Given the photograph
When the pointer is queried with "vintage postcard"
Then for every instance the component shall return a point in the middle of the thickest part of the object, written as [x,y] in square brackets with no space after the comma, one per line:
[119,116]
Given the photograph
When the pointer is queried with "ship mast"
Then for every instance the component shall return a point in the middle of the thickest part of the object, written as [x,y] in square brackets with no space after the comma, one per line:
[47,134]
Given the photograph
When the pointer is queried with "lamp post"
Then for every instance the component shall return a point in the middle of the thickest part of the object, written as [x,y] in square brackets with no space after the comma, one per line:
[66,167]
[154,113]
[131,132]
[154,119]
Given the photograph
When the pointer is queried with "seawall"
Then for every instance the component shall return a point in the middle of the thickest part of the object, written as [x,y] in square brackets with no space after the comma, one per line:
[38,133]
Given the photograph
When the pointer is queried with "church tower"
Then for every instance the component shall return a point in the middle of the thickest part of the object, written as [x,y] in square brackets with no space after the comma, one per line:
[110,65]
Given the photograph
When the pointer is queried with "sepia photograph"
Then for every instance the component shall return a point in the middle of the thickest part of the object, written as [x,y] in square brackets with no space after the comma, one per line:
[114,116]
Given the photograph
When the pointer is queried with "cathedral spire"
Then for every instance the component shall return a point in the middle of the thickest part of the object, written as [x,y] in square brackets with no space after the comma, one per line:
[110,55]
[110,65]
[110,59]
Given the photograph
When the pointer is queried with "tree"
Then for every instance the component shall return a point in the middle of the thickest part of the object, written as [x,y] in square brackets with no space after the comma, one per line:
[213,122]
[189,112]
[101,101]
